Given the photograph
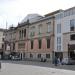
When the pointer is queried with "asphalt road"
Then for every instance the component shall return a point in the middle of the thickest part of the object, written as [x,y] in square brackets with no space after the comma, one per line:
[42,64]
[31,68]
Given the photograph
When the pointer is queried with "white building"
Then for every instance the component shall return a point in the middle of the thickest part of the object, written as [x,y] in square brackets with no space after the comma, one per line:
[65,34]
[58,47]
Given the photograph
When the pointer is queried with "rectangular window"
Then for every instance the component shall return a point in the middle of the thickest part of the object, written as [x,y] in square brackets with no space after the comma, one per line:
[14,46]
[32,31]
[58,28]
[48,43]
[19,34]
[39,55]
[24,32]
[58,47]
[49,27]
[47,55]
[24,55]
[72,37]
[2,46]
[58,40]
[32,44]
[39,41]
[31,55]
[3,39]
[72,24]
[59,16]
[39,29]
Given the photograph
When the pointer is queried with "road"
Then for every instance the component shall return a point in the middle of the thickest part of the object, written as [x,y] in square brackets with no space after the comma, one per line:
[28,69]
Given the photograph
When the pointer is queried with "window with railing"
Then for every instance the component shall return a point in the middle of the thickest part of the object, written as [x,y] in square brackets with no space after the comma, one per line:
[21,45]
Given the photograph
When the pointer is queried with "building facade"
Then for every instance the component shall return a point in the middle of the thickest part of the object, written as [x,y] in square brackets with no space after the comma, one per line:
[35,37]
[21,44]
[1,42]
[9,42]
[69,33]
[64,34]
[43,37]
[58,42]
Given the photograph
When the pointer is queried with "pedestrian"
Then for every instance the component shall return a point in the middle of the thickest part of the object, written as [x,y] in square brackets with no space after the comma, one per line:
[0,65]
[59,62]
[55,61]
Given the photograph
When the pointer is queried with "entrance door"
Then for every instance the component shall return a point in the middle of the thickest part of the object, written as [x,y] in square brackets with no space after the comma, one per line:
[72,55]
[59,55]
[71,51]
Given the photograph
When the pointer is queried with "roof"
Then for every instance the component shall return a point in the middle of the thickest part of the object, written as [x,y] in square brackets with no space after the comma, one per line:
[52,13]
[32,18]
[69,8]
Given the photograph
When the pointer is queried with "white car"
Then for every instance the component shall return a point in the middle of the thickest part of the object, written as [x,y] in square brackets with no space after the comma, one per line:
[67,61]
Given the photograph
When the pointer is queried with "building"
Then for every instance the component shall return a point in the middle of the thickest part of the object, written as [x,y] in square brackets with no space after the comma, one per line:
[9,42]
[35,37]
[58,42]
[69,33]
[40,39]
[65,34]
[1,42]
[43,37]
[21,44]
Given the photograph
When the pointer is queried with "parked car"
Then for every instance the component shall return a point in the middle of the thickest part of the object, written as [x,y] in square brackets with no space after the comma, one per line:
[68,61]
[15,58]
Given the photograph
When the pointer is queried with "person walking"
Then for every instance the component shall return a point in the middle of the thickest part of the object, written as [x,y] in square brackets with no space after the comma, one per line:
[0,66]
[59,62]
[55,61]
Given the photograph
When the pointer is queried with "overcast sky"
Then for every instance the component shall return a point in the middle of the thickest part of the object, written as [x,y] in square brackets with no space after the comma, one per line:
[13,11]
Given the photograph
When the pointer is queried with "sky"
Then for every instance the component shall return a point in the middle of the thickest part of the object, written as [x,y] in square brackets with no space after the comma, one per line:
[14,11]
